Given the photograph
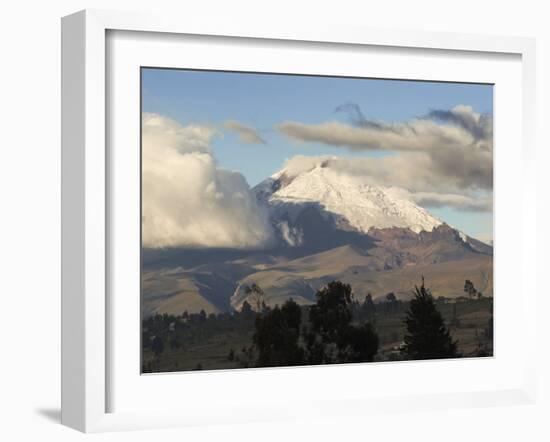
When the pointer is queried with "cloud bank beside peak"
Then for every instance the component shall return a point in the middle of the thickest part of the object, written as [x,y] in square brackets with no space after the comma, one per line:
[444,151]
[441,159]
[187,200]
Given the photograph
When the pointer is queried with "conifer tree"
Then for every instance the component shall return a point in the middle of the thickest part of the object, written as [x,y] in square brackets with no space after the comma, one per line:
[333,338]
[427,336]
[277,334]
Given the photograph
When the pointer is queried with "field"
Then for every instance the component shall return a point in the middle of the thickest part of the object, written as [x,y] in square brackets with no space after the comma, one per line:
[224,341]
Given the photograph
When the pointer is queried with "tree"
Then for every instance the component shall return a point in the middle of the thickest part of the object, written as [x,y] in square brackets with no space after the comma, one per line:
[332,337]
[256,296]
[231,356]
[427,336]
[277,334]
[332,312]
[391,301]
[368,309]
[489,328]
[358,344]
[157,345]
[246,310]
[455,321]
[470,289]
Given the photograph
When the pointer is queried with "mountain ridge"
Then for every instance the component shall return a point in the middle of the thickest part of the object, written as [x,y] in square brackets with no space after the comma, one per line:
[327,226]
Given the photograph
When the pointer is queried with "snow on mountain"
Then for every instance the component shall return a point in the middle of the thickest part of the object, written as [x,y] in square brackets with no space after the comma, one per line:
[320,218]
[350,200]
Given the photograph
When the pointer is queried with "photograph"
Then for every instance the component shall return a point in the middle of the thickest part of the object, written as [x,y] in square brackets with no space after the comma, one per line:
[301,220]
[257,221]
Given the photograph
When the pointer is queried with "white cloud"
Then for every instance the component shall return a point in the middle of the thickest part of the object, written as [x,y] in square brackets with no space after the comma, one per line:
[412,175]
[473,203]
[303,163]
[165,135]
[461,202]
[246,133]
[187,200]
[454,146]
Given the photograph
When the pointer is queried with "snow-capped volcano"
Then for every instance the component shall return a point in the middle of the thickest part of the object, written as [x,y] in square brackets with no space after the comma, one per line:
[327,226]
[349,200]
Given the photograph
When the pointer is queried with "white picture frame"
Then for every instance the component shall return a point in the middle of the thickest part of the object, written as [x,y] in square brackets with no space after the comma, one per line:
[86,205]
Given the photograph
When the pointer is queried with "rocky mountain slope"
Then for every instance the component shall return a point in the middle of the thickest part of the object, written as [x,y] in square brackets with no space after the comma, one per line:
[328,226]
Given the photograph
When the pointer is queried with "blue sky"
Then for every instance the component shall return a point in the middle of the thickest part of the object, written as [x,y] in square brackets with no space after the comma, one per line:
[263,100]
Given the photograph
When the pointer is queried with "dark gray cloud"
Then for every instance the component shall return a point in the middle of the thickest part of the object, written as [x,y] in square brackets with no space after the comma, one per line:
[456,146]
[442,159]
[480,127]
[357,118]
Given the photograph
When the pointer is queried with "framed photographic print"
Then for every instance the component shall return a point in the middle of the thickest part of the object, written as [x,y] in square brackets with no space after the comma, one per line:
[289,219]
[278,234]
